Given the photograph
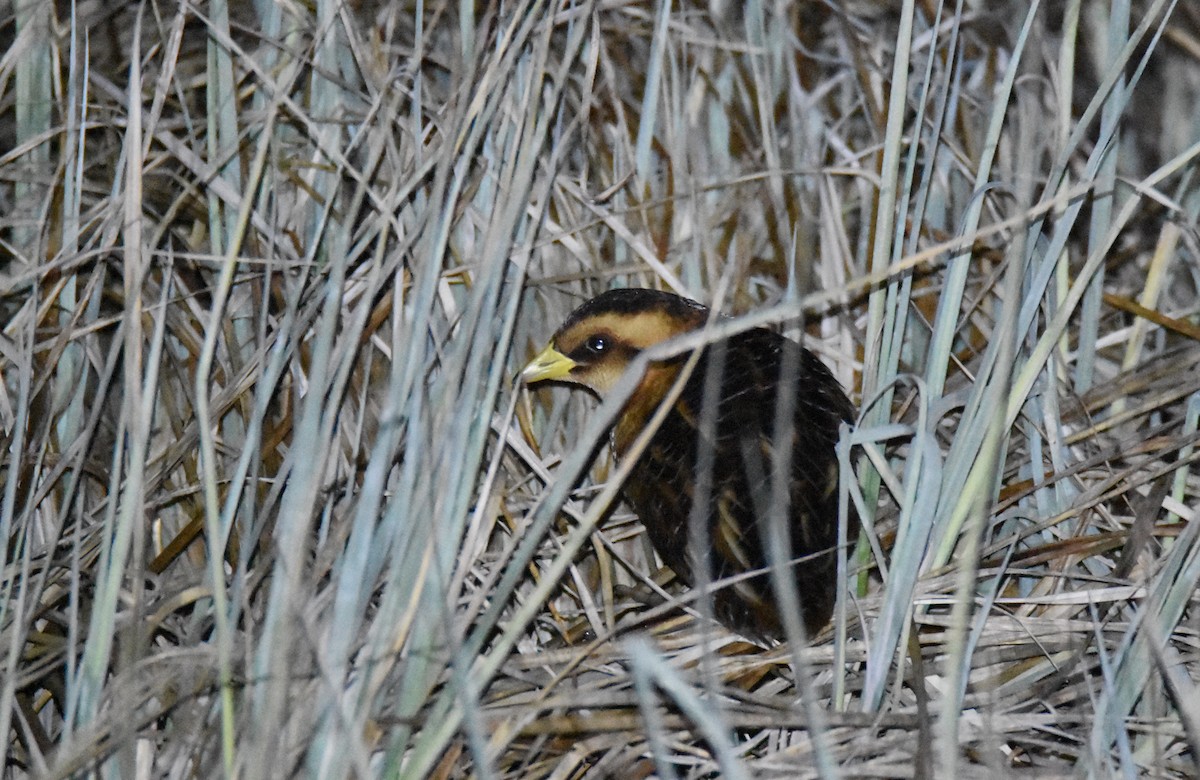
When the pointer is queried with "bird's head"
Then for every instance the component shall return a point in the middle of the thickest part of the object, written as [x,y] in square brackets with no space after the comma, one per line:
[596,344]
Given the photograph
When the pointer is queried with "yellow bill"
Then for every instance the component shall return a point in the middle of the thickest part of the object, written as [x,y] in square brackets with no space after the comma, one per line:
[549,364]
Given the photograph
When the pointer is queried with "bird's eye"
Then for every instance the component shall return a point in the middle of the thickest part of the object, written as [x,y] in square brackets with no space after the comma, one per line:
[596,345]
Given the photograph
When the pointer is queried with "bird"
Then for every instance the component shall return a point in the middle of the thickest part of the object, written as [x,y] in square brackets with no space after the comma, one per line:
[728,455]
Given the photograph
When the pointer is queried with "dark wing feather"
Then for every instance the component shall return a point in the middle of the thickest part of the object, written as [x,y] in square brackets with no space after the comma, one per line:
[662,486]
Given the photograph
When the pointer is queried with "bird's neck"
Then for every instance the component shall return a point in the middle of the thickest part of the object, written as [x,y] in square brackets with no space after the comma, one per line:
[642,404]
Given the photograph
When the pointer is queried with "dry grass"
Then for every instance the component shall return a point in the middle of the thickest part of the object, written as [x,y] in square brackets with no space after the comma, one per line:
[272,507]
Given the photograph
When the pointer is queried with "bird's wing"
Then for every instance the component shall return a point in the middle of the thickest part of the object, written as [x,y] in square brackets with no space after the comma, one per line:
[758,366]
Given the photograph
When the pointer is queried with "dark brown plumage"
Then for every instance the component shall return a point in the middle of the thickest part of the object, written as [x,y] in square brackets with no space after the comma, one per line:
[594,347]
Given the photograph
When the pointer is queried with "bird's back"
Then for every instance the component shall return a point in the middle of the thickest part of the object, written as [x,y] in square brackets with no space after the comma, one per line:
[738,454]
